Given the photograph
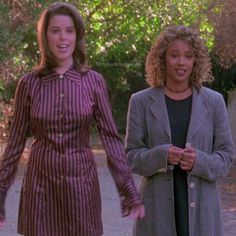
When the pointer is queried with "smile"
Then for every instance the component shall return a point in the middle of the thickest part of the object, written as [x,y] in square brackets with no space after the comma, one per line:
[63,46]
[180,72]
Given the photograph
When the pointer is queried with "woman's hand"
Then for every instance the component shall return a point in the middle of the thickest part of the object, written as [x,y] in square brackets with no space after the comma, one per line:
[174,155]
[137,212]
[2,223]
[185,158]
[188,159]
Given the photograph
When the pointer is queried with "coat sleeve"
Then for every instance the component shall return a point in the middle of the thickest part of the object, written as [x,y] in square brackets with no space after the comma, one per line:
[216,164]
[114,148]
[16,142]
[144,160]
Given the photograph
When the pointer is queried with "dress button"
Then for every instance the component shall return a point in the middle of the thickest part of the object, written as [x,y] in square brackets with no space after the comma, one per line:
[61,95]
[191,185]
[60,135]
[192,204]
[61,76]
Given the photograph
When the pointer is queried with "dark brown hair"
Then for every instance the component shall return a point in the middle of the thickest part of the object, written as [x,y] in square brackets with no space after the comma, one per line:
[47,59]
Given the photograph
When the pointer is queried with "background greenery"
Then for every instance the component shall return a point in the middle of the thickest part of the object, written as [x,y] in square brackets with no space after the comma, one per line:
[119,35]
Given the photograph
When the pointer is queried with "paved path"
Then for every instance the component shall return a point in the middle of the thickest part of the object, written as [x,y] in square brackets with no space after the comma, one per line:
[113,224]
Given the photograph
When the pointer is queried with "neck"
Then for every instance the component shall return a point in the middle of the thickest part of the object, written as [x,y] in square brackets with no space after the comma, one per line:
[61,69]
[177,90]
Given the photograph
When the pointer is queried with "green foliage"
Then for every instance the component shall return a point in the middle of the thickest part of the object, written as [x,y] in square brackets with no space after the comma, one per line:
[5,34]
[1,88]
[119,35]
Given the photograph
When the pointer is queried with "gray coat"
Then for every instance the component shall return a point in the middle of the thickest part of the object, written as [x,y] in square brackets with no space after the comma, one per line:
[147,141]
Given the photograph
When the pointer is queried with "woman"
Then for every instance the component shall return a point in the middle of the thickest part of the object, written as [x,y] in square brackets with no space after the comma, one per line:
[178,139]
[57,102]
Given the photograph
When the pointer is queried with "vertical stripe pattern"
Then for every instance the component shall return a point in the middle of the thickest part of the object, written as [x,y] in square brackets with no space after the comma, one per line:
[60,193]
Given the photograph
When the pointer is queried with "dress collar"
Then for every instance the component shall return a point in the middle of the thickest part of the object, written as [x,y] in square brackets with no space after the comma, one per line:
[71,74]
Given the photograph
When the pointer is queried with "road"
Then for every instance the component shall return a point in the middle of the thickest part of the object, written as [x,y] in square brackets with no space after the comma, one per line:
[113,223]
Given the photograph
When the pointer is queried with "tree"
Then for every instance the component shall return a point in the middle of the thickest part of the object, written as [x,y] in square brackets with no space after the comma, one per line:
[119,35]
[224,22]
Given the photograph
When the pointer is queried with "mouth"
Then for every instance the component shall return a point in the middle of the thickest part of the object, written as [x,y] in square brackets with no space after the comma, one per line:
[180,72]
[63,47]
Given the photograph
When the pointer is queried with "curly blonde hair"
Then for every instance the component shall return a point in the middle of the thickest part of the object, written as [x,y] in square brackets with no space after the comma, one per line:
[155,65]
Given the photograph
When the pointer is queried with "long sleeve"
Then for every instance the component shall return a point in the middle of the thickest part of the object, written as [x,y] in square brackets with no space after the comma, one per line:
[216,164]
[16,142]
[114,148]
[143,158]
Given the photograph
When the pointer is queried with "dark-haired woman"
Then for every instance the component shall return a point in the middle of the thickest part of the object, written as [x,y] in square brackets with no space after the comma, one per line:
[58,101]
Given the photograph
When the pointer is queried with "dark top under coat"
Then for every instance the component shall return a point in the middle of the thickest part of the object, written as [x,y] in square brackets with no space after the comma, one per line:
[179,112]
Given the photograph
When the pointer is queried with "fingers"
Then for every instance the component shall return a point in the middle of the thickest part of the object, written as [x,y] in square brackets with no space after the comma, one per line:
[184,165]
[188,159]
[2,223]
[183,157]
[174,155]
[137,212]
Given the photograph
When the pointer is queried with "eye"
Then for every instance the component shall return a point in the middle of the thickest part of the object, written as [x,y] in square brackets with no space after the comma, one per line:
[70,30]
[55,30]
[190,56]
[173,55]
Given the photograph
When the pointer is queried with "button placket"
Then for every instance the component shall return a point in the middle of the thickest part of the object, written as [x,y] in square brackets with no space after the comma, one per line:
[61,113]
[192,186]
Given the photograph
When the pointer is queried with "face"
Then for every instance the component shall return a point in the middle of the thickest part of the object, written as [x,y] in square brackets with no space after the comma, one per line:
[61,36]
[179,62]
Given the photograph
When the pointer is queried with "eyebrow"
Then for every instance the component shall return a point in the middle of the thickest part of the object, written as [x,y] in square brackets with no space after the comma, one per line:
[57,26]
[179,50]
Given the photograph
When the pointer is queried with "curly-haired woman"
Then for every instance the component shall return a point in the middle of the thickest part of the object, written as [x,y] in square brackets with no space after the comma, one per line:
[178,139]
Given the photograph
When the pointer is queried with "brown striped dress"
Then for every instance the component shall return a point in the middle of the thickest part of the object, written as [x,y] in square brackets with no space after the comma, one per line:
[60,192]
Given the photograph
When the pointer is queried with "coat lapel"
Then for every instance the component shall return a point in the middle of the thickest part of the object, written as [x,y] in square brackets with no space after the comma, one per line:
[158,108]
[199,113]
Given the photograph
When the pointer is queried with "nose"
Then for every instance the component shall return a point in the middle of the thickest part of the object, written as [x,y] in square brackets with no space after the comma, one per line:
[63,35]
[181,60]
